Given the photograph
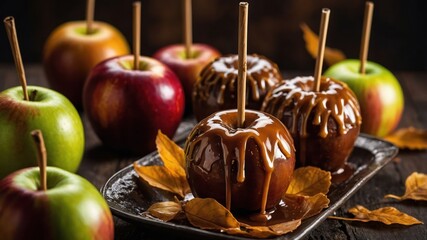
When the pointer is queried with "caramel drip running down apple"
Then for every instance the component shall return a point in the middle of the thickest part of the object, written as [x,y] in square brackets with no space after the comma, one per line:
[332,101]
[261,75]
[233,144]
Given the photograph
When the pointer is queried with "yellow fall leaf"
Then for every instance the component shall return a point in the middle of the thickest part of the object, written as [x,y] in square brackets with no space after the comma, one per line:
[309,181]
[171,176]
[409,138]
[416,188]
[332,55]
[302,207]
[165,211]
[264,231]
[163,178]
[386,215]
[169,151]
[207,213]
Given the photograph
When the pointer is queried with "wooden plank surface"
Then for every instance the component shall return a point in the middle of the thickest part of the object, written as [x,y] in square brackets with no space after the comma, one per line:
[100,163]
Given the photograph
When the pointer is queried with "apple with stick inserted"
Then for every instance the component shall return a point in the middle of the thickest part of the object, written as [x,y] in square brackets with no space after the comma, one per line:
[129,98]
[51,203]
[25,108]
[377,89]
[74,48]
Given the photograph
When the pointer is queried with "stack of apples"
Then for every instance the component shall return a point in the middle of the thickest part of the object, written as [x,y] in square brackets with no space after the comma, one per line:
[129,98]
[45,202]
[74,48]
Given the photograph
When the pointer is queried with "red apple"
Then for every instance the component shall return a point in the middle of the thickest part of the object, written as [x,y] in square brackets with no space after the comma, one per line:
[70,53]
[70,208]
[187,69]
[127,107]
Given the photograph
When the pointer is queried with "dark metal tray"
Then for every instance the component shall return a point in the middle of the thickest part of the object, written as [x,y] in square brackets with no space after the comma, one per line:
[128,198]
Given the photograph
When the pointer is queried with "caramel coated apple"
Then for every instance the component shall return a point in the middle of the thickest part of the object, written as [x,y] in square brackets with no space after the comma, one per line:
[324,124]
[246,169]
[216,88]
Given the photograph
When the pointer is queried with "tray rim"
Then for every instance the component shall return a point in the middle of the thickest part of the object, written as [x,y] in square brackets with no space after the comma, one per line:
[382,157]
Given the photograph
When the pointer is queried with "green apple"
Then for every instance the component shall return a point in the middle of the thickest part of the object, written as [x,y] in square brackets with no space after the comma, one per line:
[71,207]
[378,91]
[47,110]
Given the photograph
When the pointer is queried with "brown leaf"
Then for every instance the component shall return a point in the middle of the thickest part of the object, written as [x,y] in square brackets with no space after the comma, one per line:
[332,55]
[416,188]
[309,181]
[165,211]
[386,215]
[170,153]
[302,207]
[171,176]
[207,213]
[409,138]
[265,231]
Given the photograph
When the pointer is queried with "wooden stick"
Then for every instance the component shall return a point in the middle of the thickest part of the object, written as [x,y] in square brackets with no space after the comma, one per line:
[188,28]
[41,157]
[136,34]
[366,33]
[241,84]
[90,9]
[9,23]
[321,48]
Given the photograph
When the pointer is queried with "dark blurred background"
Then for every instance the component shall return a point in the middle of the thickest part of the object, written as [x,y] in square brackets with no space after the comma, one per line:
[398,39]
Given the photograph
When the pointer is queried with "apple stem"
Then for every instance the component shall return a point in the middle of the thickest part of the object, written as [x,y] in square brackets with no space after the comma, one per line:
[366,33]
[90,9]
[188,28]
[242,51]
[136,33]
[9,23]
[41,157]
[321,48]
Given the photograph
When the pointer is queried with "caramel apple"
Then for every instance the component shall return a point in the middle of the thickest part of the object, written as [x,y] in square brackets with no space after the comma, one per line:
[324,124]
[216,88]
[245,169]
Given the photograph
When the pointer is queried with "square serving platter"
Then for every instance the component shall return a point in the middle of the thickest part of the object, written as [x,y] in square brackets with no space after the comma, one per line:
[128,198]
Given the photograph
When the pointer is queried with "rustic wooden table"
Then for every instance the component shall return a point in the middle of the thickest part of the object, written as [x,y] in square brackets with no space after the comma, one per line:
[99,164]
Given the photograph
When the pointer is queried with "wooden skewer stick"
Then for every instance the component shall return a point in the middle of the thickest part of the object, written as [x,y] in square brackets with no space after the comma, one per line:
[90,9]
[188,28]
[366,33]
[136,34]
[241,84]
[41,157]
[9,23]
[321,48]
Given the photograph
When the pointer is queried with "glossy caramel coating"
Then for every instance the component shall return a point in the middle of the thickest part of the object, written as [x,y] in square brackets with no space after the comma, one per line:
[246,168]
[324,124]
[216,88]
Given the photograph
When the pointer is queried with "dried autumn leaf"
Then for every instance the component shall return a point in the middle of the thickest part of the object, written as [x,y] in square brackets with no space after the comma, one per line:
[265,231]
[416,188]
[309,181]
[302,207]
[165,211]
[171,176]
[386,215]
[409,138]
[207,213]
[163,178]
[332,55]
[170,153]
